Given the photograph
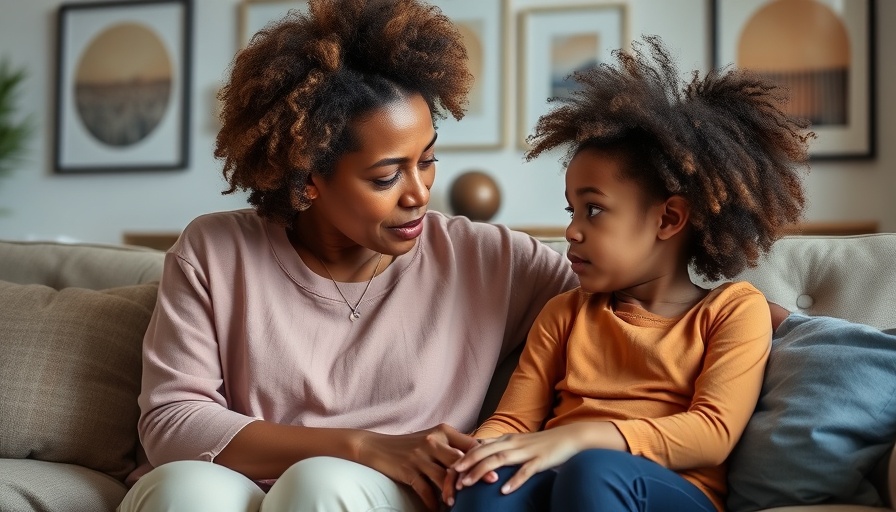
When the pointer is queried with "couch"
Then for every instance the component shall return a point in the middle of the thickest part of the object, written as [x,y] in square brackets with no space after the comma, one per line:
[72,318]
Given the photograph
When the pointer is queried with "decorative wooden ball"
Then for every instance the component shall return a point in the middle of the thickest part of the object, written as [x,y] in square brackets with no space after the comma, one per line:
[475,195]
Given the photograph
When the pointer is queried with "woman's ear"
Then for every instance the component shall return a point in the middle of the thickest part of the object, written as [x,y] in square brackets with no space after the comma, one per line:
[674,217]
[311,190]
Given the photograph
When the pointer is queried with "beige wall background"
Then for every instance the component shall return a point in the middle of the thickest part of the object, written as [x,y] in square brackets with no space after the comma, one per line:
[38,204]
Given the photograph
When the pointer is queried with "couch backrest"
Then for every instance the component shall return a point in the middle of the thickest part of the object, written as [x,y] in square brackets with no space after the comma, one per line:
[849,277]
[94,266]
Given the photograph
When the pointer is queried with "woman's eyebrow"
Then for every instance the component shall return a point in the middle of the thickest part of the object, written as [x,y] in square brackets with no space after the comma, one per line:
[401,159]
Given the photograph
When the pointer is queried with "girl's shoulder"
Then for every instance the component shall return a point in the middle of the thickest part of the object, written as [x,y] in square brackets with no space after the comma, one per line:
[734,291]
[737,299]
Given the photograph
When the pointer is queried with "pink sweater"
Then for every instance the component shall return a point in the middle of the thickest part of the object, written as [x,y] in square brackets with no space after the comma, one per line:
[244,330]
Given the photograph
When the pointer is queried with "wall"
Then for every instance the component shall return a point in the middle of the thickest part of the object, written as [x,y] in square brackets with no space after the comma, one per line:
[99,207]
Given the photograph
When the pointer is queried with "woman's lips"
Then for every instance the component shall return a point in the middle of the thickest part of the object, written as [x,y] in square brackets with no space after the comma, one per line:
[410,230]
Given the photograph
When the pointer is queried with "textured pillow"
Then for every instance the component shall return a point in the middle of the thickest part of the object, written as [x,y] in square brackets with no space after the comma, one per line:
[70,363]
[826,415]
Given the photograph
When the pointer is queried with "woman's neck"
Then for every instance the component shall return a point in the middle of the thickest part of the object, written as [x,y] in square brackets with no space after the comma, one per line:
[343,261]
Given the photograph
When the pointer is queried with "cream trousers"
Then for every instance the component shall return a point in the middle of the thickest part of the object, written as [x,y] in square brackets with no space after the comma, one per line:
[319,484]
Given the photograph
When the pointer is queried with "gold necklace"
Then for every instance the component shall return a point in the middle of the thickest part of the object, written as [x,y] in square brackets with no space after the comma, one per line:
[356,313]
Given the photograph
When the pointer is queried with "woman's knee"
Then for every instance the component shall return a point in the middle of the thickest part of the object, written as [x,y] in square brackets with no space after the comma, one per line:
[332,484]
[193,486]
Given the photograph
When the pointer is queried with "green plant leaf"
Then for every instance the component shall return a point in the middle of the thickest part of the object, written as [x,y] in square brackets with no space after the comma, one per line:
[13,134]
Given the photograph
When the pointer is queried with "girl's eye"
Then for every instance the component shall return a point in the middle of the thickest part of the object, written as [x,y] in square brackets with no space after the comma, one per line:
[570,211]
[594,210]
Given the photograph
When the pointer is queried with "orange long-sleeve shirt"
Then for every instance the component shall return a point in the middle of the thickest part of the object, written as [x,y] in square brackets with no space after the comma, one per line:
[680,390]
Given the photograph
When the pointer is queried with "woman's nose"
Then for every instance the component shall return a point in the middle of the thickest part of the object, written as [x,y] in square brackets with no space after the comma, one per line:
[416,191]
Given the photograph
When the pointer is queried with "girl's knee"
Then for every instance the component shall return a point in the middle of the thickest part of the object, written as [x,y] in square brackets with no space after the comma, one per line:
[596,468]
[597,460]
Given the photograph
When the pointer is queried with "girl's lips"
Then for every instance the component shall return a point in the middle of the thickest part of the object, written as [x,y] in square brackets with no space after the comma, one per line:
[578,264]
[410,230]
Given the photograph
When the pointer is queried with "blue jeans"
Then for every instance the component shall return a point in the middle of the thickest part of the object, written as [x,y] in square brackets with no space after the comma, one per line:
[593,480]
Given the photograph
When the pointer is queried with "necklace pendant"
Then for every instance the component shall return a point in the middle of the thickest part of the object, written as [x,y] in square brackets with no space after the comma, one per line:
[354,316]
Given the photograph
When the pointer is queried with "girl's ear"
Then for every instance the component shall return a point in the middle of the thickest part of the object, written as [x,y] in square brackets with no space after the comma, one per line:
[674,217]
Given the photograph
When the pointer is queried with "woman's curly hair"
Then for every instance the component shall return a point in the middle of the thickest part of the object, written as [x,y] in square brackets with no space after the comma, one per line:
[722,141]
[294,91]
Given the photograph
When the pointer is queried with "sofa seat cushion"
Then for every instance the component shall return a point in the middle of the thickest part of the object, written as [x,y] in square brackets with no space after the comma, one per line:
[826,417]
[50,487]
[70,365]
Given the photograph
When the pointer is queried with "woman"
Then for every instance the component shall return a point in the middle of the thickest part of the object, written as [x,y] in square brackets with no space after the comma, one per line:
[316,339]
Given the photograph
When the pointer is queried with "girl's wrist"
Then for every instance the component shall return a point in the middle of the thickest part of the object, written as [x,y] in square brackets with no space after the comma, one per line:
[599,434]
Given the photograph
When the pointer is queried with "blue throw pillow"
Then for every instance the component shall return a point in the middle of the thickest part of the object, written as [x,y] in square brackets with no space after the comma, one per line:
[826,415]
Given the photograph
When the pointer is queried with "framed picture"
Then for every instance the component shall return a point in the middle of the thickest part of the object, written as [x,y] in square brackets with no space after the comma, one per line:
[821,50]
[553,43]
[123,86]
[255,14]
[482,26]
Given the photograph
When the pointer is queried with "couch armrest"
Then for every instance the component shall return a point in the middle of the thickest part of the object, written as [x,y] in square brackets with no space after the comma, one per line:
[889,494]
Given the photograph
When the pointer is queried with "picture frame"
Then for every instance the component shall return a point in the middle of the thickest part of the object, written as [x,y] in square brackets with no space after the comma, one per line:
[555,41]
[255,14]
[825,58]
[123,86]
[482,26]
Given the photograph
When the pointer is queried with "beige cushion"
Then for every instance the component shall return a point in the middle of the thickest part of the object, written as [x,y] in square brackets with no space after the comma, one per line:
[849,277]
[38,486]
[70,364]
[94,266]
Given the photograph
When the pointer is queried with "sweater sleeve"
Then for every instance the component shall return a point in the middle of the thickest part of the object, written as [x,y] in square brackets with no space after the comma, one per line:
[738,343]
[529,396]
[538,273]
[184,414]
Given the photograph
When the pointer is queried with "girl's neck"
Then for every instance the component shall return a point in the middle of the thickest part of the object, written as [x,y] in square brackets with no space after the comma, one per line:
[667,296]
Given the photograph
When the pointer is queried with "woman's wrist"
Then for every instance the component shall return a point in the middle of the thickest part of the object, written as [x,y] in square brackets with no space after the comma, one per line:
[357,446]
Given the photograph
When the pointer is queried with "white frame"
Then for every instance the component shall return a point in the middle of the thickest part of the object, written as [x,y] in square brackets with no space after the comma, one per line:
[255,14]
[537,26]
[484,129]
[166,147]
[853,140]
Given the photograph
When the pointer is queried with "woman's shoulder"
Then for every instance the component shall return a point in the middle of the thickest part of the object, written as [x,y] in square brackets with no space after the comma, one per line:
[230,220]
[221,231]
[461,232]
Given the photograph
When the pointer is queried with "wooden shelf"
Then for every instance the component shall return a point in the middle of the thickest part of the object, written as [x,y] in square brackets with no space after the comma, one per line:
[160,241]
[833,228]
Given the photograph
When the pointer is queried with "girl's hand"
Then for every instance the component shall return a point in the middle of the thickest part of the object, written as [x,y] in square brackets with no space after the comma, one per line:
[449,486]
[535,452]
[419,460]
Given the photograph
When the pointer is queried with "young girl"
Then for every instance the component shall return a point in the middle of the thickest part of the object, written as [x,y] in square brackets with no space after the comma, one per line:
[633,389]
